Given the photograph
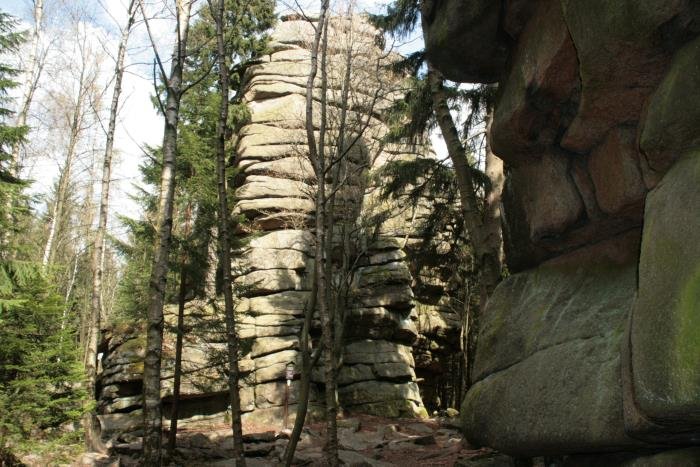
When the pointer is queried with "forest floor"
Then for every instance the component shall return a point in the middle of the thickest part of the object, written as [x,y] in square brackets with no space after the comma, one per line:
[364,441]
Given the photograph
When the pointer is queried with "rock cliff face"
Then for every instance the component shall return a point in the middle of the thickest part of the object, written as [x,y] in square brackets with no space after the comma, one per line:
[593,344]
[375,253]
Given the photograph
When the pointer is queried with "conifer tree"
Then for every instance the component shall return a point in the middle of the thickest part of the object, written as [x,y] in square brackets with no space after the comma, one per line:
[10,136]
[428,104]
[39,361]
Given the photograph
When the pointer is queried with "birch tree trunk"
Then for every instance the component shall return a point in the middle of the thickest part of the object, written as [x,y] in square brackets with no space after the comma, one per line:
[224,245]
[152,405]
[90,423]
[66,171]
[34,67]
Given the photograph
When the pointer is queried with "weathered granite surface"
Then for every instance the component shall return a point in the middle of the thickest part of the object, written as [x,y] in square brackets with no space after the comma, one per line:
[386,322]
[597,121]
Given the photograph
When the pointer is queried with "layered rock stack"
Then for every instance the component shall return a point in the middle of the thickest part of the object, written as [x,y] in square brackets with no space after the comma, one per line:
[375,254]
[593,343]
[276,196]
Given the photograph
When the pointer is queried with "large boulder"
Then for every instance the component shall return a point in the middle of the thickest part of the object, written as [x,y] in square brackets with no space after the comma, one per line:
[623,49]
[464,40]
[597,121]
[673,114]
[539,88]
[547,369]
[664,338]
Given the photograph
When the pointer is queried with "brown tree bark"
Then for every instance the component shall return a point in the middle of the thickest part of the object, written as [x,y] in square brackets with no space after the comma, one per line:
[212,265]
[224,244]
[318,287]
[92,436]
[484,226]
[179,336]
[480,225]
[323,238]
[152,405]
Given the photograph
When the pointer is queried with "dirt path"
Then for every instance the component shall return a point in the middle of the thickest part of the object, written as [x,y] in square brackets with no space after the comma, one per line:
[364,441]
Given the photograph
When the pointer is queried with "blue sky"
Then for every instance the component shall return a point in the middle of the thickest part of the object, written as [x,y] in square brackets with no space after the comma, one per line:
[139,124]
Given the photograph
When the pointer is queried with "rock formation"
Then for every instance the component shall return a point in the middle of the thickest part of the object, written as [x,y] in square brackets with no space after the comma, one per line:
[593,343]
[375,250]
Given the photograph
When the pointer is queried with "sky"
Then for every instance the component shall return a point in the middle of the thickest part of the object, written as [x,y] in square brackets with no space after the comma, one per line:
[139,125]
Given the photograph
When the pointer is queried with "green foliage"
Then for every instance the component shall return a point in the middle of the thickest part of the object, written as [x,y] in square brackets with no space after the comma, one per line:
[10,185]
[400,19]
[40,367]
[196,184]
[411,118]
[411,182]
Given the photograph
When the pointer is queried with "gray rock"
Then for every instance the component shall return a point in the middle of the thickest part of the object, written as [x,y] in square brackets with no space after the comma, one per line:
[288,302]
[272,281]
[266,345]
[420,428]
[663,375]
[547,372]
[352,424]
[354,459]
[369,351]
[488,460]
[453,28]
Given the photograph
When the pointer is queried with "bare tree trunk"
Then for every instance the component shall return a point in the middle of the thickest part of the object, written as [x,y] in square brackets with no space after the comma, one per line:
[224,246]
[307,364]
[152,406]
[484,227]
[488,258]
[493,237]
[92,440]
[322,238]
[337,163]
[66,171]
[317,285]
[35,65]
[69,291]
[212,263]
[180,332]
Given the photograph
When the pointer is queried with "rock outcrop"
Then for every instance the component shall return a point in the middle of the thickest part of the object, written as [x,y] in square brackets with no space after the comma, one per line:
[375,243]
[593,343]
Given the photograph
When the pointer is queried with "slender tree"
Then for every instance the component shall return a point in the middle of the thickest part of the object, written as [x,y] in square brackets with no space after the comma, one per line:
[91,431]
[40,372]
[10,135]
[173,83]
[179,333]
[428,103]
[77,122]
[317,156]
[33,69]
[346,103]
[217,11]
